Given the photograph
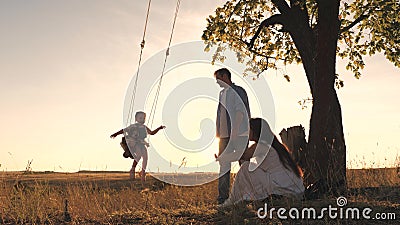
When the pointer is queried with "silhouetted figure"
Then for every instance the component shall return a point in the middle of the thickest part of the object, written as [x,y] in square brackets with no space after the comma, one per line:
[134,143]
[232,124]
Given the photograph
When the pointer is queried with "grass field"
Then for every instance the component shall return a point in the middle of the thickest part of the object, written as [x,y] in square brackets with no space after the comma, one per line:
[111,198]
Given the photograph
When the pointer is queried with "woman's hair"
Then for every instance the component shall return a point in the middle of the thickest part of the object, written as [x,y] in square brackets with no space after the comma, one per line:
[262,132]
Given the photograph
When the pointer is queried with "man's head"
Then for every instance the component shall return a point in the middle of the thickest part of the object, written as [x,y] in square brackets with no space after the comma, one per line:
[140,117]
[223,77]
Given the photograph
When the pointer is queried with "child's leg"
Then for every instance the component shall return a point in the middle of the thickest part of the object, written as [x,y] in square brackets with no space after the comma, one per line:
[132,171]
[145,158]
[144,164]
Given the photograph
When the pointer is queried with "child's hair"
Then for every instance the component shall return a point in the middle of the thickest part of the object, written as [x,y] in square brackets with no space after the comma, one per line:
[139,113]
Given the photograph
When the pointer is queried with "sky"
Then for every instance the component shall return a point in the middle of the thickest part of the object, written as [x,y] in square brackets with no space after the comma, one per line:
[65,67]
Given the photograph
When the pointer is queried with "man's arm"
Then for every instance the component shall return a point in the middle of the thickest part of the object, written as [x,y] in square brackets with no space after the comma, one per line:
[240,103]
[153,132]
[117,133]
[238,120]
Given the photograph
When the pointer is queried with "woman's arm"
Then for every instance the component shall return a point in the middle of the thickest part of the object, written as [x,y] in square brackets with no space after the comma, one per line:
[117,133]
[153,132]
[249,152]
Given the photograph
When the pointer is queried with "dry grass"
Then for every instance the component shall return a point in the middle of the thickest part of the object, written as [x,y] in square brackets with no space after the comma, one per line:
[110,198]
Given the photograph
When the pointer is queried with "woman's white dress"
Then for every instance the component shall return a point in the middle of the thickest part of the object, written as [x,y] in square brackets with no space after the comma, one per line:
[269,177]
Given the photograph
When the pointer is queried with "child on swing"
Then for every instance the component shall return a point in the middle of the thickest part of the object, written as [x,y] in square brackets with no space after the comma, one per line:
[133,142]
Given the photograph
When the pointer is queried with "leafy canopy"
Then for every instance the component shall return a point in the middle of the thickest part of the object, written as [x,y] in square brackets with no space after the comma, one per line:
[367,27]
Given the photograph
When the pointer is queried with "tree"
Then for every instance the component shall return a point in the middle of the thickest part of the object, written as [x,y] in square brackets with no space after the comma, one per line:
[313,32]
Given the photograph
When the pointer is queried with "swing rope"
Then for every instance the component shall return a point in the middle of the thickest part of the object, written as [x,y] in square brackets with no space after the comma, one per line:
[154,106]
[142,44]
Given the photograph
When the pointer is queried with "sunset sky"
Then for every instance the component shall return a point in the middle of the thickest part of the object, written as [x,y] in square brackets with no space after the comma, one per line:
[65,67]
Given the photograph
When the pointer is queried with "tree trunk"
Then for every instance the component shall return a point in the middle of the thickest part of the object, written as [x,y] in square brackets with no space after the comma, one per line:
[325,156]
[326,149]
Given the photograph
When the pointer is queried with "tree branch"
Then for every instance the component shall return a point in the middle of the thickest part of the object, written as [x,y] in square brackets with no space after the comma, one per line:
[314,10]
[274,19]
[258,53]
[365,14]
[254,51]
[233,11]
[299,9]
[282,6]
[359,19]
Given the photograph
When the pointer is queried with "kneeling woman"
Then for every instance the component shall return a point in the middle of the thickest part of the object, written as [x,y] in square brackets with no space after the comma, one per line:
[272,172]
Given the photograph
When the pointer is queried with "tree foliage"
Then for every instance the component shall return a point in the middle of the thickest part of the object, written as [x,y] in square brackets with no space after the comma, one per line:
[366,27]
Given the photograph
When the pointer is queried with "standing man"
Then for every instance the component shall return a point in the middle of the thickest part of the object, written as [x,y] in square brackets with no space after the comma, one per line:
[233,116]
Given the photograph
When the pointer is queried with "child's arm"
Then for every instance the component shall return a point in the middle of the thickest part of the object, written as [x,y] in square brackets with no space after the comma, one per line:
[117,133]
[153,132]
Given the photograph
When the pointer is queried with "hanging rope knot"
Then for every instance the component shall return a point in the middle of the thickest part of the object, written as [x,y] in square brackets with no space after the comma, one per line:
[130,112]
[154,106]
